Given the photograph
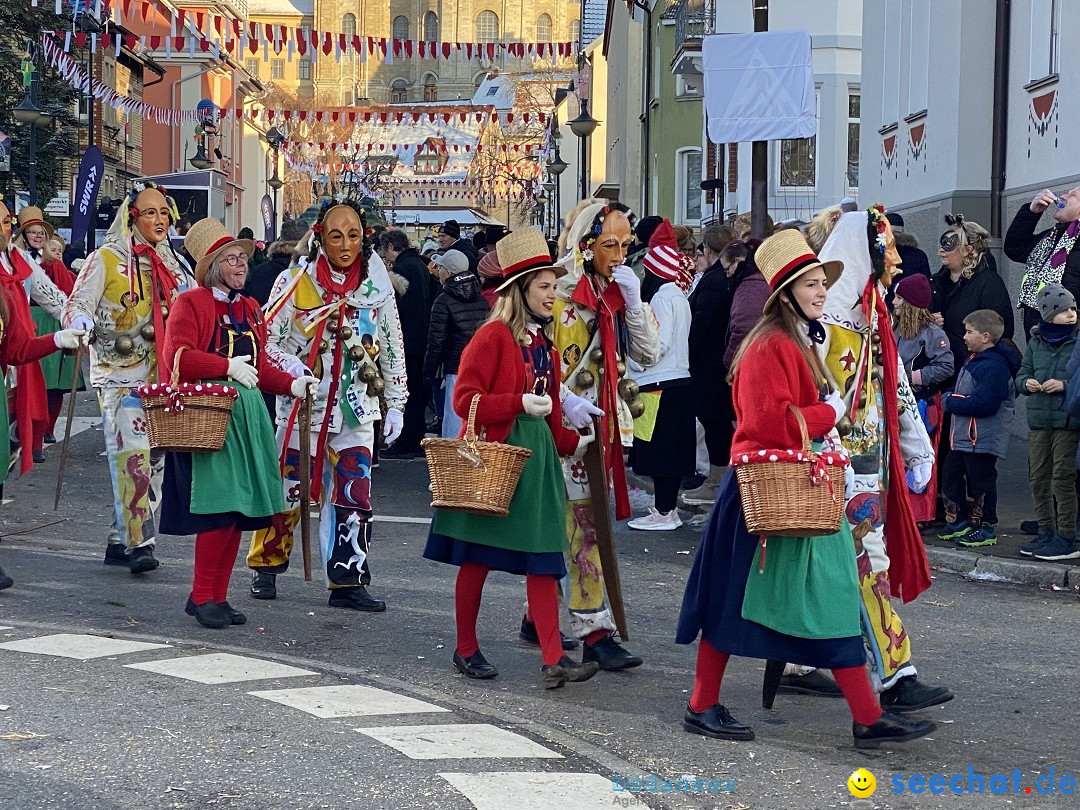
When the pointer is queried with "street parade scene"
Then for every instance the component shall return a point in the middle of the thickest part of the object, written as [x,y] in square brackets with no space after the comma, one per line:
[562,404]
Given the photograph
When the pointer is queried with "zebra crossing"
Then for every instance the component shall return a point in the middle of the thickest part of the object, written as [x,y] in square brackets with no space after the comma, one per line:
[433,734]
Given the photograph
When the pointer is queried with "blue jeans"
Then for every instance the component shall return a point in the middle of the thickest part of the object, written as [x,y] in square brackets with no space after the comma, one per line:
[451,422]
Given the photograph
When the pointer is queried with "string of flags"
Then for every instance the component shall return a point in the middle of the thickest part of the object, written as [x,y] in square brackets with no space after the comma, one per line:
[333,146]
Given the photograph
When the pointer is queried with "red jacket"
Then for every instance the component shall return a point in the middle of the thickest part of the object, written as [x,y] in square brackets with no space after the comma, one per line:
[191,324]
[18,345]
[771,375]
[493,367]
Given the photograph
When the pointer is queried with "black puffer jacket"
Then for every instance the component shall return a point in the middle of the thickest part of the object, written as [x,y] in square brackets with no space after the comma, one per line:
[458,312]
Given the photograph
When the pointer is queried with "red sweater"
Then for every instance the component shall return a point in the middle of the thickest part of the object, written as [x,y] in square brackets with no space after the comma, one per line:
[493,367]
[192,324]
[771,375]
[19,345]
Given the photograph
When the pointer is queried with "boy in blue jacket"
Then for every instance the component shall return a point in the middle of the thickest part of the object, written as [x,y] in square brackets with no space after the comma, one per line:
[982,410]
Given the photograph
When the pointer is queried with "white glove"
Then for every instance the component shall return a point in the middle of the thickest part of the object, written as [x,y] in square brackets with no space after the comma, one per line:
[392,425]
[82,322]
[849,482]
[579,411]
[304,385]
[243,372]
[836,402]
[71,338]
[536,406]
[583,443]
[295,367]
[629,285]
[920,474]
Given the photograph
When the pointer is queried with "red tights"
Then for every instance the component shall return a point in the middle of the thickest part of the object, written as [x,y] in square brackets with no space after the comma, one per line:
[543,607]
[853,682]
[215,556]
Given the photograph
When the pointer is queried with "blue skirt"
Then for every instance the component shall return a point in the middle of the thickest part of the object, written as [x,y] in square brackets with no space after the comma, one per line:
[713,602]
[441,548]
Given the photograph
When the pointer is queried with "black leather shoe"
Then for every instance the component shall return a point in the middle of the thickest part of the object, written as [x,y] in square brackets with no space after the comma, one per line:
[552,676]
[815,683]
[356,599]
[890,728]
[39,456]
[610,655]
[263,585]
[235,616]
[208,614]
[908,695]
[49,438]
[5,580]
[475,666]
[716,721]
[116,554]
[141,560]
[528,634]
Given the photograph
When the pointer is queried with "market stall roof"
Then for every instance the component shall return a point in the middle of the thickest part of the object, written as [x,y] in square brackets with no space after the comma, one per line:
[466,217]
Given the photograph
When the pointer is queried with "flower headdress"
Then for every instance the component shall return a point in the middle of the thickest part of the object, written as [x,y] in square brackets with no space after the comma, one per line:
[877,221]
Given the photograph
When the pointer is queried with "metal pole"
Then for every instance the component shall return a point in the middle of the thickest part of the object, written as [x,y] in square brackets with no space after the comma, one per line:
[759,171]
[32,178]
[91,231]
[584,168]
[999,137]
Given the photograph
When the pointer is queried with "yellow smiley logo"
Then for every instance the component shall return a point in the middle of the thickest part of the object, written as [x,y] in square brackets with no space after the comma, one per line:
[862,783]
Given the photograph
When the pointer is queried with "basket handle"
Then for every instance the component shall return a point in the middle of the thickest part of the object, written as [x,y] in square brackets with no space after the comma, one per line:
[470,425]
[802,428]
[176,366]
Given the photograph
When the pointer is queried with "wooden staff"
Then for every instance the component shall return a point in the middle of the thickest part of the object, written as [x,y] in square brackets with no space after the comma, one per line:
[304,426]
[80,352]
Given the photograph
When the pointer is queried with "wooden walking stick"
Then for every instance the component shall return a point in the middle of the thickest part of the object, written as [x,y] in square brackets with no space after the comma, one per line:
[80,352]
[304,426]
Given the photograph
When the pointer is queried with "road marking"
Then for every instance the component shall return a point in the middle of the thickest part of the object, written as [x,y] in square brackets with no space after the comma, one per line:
[460,741]
[220,668]
[78,645]
[395,519]
[535,791]
[7,628]
[79,424]
[347,701]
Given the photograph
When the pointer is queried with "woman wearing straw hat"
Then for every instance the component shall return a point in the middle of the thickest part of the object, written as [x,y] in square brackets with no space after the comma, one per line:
[220,335]
[792,599]
[513,368]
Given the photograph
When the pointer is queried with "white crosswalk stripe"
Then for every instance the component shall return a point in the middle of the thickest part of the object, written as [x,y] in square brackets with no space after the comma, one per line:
[78,645]
[347,700]
[459,741]
[221,668]
[535,791]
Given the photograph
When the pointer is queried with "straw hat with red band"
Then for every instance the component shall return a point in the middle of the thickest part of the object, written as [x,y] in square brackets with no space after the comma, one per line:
[522,252]
[785,256]
[32,215]
[205,242]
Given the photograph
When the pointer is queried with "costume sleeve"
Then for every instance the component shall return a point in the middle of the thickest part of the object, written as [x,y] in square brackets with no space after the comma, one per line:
[437,337]
[272,379]
[183,332]
[1027,369]
[1021,237]
[990,389]
[915,444]
[939,358]
[87,292]
[20,346]
[666,321]
[644,335]
[278,327]
[480,365]
[46,294]
[392,355]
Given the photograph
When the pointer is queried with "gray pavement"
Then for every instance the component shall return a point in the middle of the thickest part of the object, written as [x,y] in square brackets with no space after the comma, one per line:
[98,733]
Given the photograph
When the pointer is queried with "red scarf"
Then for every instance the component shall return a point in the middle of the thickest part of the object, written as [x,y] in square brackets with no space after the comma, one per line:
[31,403]
[607,307]
[909,572]
[163,285]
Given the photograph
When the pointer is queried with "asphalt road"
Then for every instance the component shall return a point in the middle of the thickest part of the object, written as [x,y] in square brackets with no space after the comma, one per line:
[99,733]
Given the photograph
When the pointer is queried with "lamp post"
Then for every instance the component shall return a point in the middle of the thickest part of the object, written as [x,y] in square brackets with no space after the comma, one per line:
[275,139]
[583,126]
[31,115]
[556,166]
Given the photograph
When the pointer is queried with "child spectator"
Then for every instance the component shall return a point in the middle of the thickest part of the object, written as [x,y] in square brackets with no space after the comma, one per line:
[1054,437]
[981,405]
[928,361]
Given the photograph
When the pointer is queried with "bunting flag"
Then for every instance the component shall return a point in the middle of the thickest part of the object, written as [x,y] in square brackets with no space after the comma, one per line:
[486,115]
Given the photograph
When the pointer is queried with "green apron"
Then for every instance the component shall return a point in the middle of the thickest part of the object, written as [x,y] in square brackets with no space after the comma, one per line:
[58,368]
[536,522]
[244,475]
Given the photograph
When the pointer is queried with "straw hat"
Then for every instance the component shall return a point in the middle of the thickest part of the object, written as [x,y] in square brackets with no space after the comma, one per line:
[205,242]
[524,251]
[32,215]
[785,256]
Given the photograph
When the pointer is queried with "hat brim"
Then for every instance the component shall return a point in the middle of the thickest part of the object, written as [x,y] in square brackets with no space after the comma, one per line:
[204,263]
[50,232]
[554,268]
[833,271]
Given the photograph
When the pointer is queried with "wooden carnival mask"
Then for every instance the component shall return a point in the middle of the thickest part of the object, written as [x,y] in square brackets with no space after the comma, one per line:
[153,214]
[342,236]
[892,257]
[610,247]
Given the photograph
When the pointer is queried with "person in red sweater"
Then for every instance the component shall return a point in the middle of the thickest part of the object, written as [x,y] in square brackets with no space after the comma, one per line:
[215,333]
[512,367]
[800,601]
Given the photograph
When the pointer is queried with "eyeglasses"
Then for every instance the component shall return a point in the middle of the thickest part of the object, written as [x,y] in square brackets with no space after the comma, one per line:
[949,242]
[235,260]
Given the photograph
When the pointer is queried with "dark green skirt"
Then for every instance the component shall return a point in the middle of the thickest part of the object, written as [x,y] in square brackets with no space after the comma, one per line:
[58,368]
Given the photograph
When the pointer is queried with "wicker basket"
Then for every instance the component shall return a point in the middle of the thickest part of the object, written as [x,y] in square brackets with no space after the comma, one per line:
[186,417]
[780,499]
[469,475]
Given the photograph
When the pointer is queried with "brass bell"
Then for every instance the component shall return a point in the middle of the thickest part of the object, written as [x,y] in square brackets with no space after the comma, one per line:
[636,406]
[875,339]
[356,353]
[844,426]
[368,373]
[124,345]
[584,379]
[332,325]
[345,332]
[376,387]
[147,332]
[620,367]
[596,356]
[324,346]
[629,390]
[164,311]
[862,399]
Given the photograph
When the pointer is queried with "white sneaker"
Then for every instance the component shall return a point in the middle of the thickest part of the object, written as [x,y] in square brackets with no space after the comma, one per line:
[657,521]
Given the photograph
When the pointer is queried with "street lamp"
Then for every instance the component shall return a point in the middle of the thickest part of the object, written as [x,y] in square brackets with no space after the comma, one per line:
[557,165]
[275,140]
[583,126]
[200,161]
[32,116]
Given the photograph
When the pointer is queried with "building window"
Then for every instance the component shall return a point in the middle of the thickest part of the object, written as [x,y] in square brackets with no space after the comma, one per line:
[277,69]
[688,185]
[399,92]
[854,105]
[575,30]
[303,70]
[252,67]
[543,28]
[1045,38]
[431,27]
[348,25]
[487,27]
[305,31]
[401,27]
[919,57]
[798,163]
[431,89]
[478,80]
[890,85]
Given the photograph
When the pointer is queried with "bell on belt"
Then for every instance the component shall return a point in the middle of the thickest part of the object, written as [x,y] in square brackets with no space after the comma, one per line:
[368,373]
[147,332]
[164,311]
[843,427]
[628,390]
[124,345]
[345,332]
[376,387]
[356,353]
[332,325]
[620,368]
[324,346]
[596,356]
[584,379]
[636,406]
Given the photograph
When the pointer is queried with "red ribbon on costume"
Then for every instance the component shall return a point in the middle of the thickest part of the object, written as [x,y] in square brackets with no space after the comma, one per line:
[31,404]
[909,572]
[607,306]
[163,286]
